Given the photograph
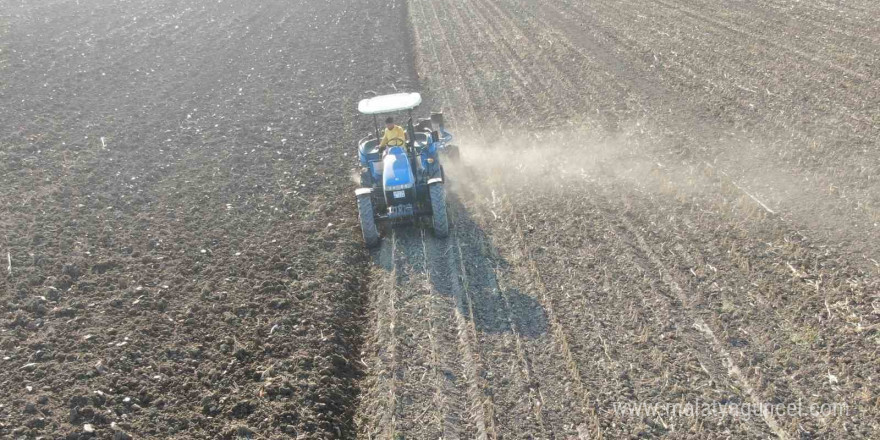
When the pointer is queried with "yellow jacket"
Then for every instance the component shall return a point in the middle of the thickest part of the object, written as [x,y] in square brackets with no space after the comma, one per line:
[395,136]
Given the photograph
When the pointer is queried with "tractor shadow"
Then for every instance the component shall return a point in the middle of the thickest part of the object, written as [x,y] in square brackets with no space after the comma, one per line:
[498,305]
[465,269]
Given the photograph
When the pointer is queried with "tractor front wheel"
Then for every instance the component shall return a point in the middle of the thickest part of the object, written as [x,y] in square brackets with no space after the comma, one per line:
[368,220]
[438,206]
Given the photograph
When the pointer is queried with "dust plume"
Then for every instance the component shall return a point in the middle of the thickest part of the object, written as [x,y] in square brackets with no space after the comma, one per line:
[537,159]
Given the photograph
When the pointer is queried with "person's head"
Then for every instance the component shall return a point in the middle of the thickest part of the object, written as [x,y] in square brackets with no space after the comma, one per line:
[389,122]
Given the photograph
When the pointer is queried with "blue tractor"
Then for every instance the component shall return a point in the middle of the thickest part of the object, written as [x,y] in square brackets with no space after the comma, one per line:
[404,183]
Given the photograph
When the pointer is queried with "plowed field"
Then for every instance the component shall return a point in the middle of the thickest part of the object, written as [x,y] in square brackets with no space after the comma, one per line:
[665,221]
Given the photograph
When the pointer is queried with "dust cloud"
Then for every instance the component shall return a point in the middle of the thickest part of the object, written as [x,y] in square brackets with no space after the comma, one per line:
[542,158]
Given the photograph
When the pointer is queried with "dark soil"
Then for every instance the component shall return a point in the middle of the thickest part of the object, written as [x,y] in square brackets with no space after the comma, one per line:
[185,262]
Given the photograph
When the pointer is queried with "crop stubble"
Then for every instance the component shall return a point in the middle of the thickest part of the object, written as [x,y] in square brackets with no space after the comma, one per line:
[653,270]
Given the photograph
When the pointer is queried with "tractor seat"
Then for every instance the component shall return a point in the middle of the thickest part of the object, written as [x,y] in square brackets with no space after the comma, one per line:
[370,146]
[421,139]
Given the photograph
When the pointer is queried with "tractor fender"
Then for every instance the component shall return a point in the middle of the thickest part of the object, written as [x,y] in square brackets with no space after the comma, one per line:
[435,180]
[363,191]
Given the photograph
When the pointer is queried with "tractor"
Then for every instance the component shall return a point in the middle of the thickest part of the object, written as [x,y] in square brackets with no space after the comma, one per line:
[403,183]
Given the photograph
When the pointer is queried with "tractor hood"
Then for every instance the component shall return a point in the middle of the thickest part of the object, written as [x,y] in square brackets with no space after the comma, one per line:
[397,173]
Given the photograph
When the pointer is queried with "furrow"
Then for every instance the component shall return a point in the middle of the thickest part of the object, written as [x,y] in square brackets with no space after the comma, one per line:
[739,275]
[557,328]
[508,105]
[691,65]
[501,62]
[425,24]
[703,19]
[536,399]
[445,361]
[380,401]
[481,403]
[516,86]
[501,314]
[479,114]
[685,299]
[530,62]
[639,336]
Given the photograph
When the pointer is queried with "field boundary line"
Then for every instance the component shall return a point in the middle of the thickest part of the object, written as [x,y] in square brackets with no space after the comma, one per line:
[479,402]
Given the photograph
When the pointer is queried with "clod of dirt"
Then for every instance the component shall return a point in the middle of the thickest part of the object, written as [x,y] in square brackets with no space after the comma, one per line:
[36,306]
[243,432]
[64,282]
[242,409]
[70,270]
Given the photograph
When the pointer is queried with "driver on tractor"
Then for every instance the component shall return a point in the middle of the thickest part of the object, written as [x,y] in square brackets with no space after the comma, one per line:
[394,135]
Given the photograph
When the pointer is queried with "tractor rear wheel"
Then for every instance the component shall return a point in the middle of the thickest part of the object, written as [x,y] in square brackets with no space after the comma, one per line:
[368,220]
[438,206]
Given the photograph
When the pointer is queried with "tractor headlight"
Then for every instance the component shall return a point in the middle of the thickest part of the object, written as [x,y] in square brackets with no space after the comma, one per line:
[430,160]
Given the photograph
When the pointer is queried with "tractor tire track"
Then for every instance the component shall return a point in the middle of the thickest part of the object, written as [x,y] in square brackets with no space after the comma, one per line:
[449,397]
[536,398]
[484,408]
[510,107]
[379,419]
[415,407]
[503,316]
